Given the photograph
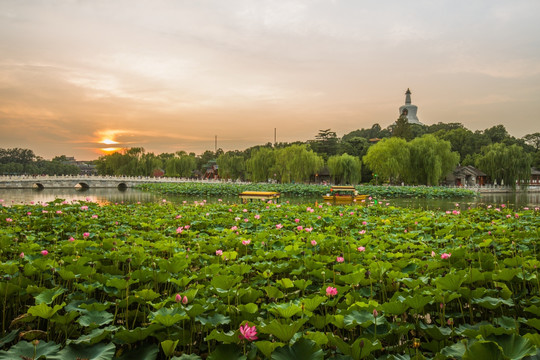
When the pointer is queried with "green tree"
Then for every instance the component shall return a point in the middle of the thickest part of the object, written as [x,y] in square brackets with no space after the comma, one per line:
[231,166]
[430,160]
[402,128]
[259,165]
[297,163]
[345,169]
[505,164]
[389,159]
[325,144]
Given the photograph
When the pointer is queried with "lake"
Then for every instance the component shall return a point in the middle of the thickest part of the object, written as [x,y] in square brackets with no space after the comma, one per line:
[112,195]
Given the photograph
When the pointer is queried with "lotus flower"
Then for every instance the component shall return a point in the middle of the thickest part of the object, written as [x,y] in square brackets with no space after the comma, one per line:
[313,242]
[178,298]
[44,252]
[340,259]
[248,333]
[184,300]
[445,256]
[331,291]
[219,252]
[361,249]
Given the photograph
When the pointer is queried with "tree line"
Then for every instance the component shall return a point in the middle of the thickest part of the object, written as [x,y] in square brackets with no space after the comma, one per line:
[17,161]
[402,152]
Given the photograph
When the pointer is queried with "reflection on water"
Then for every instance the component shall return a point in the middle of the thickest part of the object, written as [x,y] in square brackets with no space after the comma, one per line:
[101,196]
[113,195]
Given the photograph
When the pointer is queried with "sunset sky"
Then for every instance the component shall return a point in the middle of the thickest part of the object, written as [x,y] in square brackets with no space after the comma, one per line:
[77,76]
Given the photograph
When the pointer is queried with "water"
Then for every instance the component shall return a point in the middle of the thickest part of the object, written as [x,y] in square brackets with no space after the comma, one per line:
[112,195]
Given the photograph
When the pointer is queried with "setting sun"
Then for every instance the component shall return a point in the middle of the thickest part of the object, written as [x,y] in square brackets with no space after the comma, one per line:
[108,142]
[110,149]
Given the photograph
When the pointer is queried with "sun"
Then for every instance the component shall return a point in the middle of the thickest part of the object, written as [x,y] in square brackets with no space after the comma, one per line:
[108,142]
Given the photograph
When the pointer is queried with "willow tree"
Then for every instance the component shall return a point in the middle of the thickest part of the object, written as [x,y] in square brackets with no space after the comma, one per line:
[180,165]
[345,169]
[389,159]
[231,166]
[259,165]
[431,159]
[508,164]
[297,163]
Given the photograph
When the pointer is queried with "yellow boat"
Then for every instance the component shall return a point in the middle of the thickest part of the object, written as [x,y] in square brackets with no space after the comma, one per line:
[344,195]
[259,195]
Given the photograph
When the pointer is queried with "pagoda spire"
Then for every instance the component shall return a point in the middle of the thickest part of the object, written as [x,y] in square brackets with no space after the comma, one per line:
[408,97]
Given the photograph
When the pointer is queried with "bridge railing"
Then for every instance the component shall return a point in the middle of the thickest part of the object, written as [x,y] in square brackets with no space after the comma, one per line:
[82,178]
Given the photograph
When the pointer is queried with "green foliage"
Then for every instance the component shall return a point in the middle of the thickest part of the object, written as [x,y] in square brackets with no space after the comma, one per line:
[505,164]
[431,160]
[389,159]
[260,164]
[345,169]
[121,299]
[231,166]
[303,190]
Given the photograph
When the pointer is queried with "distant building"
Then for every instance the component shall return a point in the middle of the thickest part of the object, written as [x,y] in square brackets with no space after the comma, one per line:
[466,176]
[409,110]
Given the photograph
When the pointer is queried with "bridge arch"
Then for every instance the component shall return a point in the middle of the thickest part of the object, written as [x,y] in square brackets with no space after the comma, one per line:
[122,186]
[82,186]
[38,186]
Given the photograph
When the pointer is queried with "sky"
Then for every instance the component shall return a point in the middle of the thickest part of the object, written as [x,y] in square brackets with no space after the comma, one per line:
[81,77]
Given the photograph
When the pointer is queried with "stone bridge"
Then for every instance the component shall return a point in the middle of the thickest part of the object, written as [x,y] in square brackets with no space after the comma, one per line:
[81,182]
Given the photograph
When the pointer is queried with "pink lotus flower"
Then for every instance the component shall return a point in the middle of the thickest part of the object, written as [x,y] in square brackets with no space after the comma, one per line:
[299,228]
[71,239]
[375,313]
[246,242]
[362,232]
[58,211]
[86,234]
[331,291]
[178,298]
[219,252]
[309,229]
[433,254]
[44,252]
[9,220]
[94,216]
[29,213]
[340,259]
[164,200]
[279,226]
[364,222]
[184,300]
[257,216]
[21,255]
[361,249]
[248,333]
[246,220]
[84,207]
[445,256]
[187,227]
[179,229]
[297,220]
[233,228]
[313,242]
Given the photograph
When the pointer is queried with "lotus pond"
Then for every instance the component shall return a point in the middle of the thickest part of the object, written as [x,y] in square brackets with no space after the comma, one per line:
[268,281]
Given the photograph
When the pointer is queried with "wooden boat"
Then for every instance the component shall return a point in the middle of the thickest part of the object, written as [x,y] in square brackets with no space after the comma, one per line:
[259,195]
[344,195]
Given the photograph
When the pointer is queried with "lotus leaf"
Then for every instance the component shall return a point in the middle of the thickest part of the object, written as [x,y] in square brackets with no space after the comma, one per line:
[302,349]
[95,352]
[26,350]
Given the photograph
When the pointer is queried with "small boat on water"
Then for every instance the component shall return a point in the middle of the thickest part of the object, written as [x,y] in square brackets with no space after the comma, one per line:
[259,195]
[344,195]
